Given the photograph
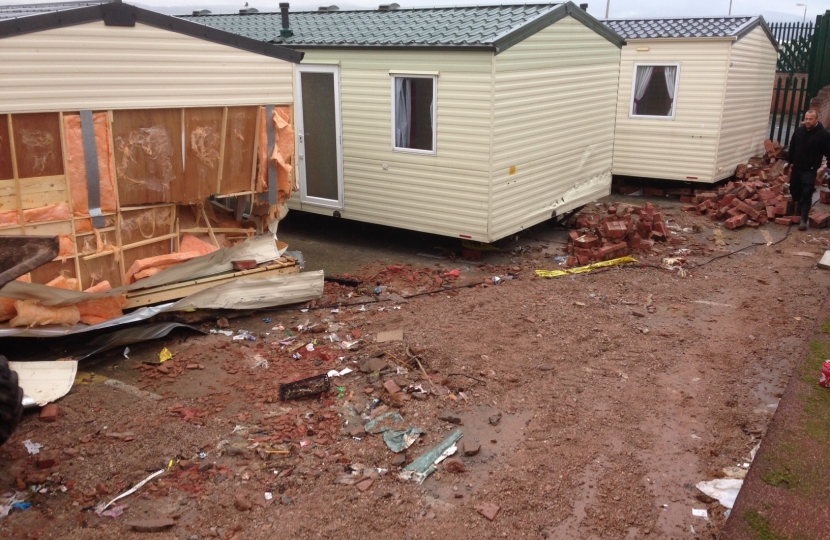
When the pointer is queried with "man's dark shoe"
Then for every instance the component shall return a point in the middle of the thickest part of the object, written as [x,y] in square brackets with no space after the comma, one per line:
[803,225]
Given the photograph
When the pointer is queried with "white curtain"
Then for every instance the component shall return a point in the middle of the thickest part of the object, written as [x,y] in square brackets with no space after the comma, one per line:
[644,74]
[671,83]
[403,111]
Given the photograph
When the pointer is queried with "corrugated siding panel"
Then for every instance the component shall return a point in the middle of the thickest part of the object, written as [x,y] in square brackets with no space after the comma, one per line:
[686,146]
[444,194]
[93,66]
[556,96]
[746,106]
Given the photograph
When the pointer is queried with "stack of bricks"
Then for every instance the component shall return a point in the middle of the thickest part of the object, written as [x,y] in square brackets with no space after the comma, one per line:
[624,229]
[759,193]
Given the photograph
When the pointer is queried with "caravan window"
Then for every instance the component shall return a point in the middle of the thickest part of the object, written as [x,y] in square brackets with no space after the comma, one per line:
[413,113]
[654,92]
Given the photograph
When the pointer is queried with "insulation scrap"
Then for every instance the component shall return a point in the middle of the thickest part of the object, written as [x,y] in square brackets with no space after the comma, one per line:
[191,243]
[76,163]
[282,156]
[7,310]
[101,309]
[53,212]
[159,260]
[8,219]
[32,313]
[67,246]
[62,282]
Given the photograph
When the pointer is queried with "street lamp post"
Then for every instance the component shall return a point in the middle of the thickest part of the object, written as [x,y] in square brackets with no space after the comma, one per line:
[607,8]
[804,18]
[730,8]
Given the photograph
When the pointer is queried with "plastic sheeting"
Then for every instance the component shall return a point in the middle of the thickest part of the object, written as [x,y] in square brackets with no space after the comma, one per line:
[76,165]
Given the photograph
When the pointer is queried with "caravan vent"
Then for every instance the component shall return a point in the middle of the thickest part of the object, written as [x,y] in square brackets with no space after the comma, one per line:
[201,12]
[248,11]
[389,7]
[328,8]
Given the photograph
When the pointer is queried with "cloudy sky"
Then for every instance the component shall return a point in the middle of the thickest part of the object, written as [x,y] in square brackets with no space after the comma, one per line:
[772,10]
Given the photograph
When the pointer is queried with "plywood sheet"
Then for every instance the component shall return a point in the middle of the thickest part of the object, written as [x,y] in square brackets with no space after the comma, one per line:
[46,273]
[6,169]
[8,195]
[131,255]
[148,155]
[94,271]
[140,225]
[238,162]
[203,141]
[44,191]
[37,143]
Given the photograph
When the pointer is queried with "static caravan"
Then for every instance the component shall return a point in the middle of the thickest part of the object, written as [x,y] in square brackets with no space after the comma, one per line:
[118,123]
[471,122]
[694,96]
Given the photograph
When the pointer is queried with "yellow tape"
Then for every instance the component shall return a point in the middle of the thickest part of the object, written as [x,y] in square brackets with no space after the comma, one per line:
[583,269]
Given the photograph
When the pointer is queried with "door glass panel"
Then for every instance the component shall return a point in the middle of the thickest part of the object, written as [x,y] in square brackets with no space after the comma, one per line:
[319,135]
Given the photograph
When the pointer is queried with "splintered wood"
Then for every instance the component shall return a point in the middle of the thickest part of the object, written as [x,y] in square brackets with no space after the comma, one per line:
[157,170]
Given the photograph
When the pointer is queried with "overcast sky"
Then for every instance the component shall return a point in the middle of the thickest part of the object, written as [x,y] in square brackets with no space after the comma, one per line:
[772,10]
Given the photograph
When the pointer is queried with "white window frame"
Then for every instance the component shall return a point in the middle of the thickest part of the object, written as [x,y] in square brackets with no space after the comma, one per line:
[410,75]
[634,86]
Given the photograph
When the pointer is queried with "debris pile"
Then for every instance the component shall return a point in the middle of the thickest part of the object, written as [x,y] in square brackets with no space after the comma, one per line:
[759,193]
[625,228]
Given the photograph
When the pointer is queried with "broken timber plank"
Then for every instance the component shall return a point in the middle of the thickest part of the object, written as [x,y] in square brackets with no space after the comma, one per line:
[175,291]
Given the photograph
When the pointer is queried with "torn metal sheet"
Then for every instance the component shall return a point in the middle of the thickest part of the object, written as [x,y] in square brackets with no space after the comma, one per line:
[242,293]
[256,293]
[261,249]
[135,334]
[57,331]
[45,382]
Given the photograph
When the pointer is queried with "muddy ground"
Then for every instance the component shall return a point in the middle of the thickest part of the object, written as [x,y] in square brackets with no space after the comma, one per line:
[597,400]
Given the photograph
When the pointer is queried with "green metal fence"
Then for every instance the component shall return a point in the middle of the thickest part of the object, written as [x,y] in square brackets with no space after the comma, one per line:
[803,69]
[794,41]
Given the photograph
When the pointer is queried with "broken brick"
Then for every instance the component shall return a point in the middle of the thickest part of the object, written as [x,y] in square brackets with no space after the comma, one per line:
[49,413]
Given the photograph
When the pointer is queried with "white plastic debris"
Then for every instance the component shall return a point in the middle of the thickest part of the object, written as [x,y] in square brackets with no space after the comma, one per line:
[725,490]
[700,512]
[228,333]
[127,352]
[268,495]
[335,373]
[101,507]
[33,448]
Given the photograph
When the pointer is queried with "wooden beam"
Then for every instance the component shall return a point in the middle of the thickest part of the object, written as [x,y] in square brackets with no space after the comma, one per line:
[16,175]
[71,205]
[222,149]
[176,291]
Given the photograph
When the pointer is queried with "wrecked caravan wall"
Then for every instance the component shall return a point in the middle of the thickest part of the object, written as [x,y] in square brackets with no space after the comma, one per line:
[155,171]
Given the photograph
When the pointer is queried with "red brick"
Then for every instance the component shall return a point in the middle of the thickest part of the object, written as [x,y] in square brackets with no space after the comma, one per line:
[824,196]
[762,218]
[783,221]
[615,229]
[586,241]
[735,222]
[795,220]
[47,460]
[689,208]
[658,217]
[770,211]
[686,199]
[49,413]
[613,251]
[819,220]
[644,245]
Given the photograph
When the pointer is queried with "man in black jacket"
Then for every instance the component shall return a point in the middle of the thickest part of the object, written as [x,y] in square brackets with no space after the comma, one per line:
[809,144]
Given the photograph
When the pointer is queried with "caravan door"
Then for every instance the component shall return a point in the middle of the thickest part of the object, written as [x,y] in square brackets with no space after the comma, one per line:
[319,139]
